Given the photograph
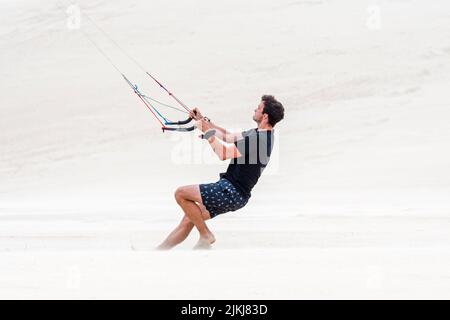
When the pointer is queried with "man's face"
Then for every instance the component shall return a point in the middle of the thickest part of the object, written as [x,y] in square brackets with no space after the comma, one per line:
[258,116]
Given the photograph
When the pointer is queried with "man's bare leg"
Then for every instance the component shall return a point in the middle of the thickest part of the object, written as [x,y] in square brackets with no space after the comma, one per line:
[178,235]
[187,197]
[181,232]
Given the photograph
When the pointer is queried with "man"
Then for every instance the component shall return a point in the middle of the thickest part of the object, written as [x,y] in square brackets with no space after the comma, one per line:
[249,154]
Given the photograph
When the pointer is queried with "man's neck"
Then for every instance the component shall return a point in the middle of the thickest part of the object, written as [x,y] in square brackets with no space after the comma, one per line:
[264,127]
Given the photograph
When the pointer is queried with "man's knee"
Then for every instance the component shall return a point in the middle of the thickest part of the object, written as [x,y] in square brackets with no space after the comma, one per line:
[180,194]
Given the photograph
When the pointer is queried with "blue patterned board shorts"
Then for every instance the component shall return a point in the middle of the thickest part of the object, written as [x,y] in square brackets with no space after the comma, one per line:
[222,196]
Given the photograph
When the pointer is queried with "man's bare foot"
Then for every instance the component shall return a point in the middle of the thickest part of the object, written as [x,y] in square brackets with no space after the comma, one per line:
[163,247]
[205,243]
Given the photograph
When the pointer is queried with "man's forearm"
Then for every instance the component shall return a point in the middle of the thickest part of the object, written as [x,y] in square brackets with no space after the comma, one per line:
[204,124]
[221,150]
[221,133]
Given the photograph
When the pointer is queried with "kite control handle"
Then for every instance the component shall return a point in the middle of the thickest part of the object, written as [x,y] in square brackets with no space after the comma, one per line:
[176,123]
[178,129]
[170,123]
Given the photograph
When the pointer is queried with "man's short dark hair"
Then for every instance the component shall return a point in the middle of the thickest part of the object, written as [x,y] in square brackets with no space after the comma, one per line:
[273,108]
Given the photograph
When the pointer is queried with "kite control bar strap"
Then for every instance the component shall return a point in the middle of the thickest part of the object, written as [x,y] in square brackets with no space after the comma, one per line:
[208,134]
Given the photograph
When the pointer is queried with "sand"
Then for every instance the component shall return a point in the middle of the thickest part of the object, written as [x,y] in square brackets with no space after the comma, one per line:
[354,203]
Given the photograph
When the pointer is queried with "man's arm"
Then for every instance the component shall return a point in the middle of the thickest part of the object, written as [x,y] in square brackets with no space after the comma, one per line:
[225,135]
[223,151]
[221,133]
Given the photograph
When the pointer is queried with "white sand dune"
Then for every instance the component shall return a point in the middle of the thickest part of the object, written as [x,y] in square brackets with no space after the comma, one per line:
[354,204]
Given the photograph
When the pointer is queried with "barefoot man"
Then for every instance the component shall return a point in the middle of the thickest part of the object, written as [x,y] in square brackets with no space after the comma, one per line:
[249,152]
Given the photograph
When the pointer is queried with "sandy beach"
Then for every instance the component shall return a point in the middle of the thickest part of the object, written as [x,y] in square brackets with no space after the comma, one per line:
[353,205]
